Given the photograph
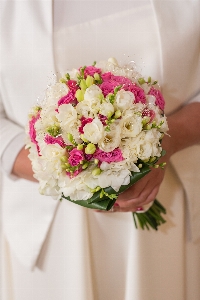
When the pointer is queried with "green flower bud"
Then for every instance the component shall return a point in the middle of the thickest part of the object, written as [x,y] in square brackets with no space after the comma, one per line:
[83,138]
[109,114]
[152,159]
[63,159]
[70,138]
[98,188]
[83,85]
[96,172]
[79,95]
[118,114]
[90,149]
[96,161]
[89,80]
[96,76]
[141,81]
[62,80]
[84,166]
[80,147]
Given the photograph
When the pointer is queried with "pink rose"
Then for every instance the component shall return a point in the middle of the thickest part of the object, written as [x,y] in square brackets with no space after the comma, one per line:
[54,140]
[84,121]
[75,157]
[113,156]
[160,102]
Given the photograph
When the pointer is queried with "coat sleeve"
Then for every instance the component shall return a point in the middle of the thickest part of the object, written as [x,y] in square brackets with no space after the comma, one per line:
[11,140]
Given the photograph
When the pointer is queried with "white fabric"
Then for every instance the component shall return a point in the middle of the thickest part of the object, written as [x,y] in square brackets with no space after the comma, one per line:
[88,255]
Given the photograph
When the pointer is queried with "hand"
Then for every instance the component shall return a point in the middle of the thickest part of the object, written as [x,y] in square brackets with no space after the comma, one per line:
[22,166]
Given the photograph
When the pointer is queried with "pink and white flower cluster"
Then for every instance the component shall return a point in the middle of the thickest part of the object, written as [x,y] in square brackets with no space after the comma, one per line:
[93,128]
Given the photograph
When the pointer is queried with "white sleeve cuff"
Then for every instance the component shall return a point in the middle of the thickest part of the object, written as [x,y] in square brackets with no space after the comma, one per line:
[10,153]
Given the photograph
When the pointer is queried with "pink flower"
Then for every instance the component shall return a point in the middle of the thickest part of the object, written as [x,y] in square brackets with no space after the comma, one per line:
[69,98]
[113,156]
[108,87]
[137,91]
[75,157]
[106,76]
[102,119]
[91,70]
[160,102]
[72,84]
[54,140]
[84,121]
[148,113]
[32,131]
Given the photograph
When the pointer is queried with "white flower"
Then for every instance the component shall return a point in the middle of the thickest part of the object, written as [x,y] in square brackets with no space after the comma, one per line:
[93,94]
[150,144]
[131,125]
[106,108]
[124,100]
[111,139]
[55,92]
[67,115]
[72,73]
[75,188]
[83,108]
[93,131]
[113,175]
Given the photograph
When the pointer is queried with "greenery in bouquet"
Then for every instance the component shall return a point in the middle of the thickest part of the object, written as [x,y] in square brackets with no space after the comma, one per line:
[96,132]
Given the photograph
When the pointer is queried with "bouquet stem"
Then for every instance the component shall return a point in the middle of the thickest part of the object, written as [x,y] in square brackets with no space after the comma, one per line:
[151,218]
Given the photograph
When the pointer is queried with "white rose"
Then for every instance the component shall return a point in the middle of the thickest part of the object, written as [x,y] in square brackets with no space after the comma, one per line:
[124,100]
[111,139]
[83,108]
[93,131]
[93,94]
[131,125]
[105,108]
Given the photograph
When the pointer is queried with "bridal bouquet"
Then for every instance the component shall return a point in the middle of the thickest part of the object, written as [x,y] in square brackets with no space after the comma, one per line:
[96,132]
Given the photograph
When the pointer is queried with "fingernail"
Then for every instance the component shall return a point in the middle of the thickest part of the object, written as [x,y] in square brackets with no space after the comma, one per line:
[140,208]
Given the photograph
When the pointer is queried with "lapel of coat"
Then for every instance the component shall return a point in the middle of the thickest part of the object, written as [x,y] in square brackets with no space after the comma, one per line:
[179,40]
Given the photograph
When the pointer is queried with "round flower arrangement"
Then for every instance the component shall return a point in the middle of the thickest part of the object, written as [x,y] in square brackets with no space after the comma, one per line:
[96,132]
